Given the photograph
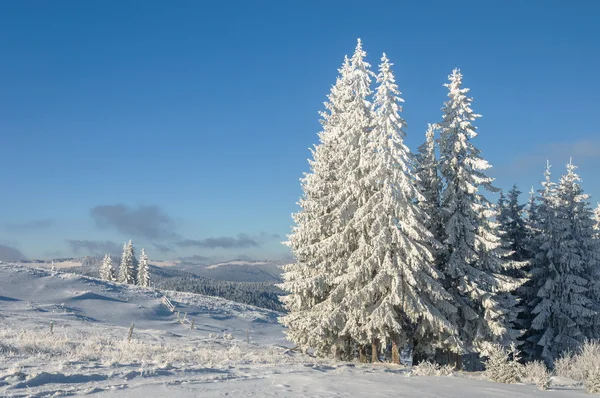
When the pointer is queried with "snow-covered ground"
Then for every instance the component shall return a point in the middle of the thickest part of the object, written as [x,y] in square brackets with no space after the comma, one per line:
[88,351]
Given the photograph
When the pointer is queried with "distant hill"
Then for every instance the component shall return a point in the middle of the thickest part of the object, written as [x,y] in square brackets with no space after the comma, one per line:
[239,270]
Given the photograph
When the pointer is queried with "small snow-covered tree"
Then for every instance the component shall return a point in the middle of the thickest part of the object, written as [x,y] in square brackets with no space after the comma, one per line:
[565,262]
[597,218]
[143,275]
[473,265]
[107,270]
[129,265]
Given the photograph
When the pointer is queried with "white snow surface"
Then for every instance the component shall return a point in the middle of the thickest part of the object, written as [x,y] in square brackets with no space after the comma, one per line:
[88,352]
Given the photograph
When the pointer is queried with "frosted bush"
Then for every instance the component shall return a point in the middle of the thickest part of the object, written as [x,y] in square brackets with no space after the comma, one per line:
[563,366]
[428,368]
[584,366]
[537,372]
[502,365]
[107,346]
[592,381]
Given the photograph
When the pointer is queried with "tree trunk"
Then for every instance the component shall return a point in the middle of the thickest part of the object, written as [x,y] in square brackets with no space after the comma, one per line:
[395,353]
[374,352]
[458,361]
[362,357]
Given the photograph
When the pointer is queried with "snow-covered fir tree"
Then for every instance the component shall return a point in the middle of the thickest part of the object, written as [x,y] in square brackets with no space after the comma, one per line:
[129,265]
[107,270]
[316,241]
[562,307]
[392,293]
[513,225]
[143,275]
[472,263]
[430,184]
[597,218]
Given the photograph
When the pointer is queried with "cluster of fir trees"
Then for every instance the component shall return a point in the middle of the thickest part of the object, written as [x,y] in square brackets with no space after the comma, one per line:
[131,271]
[399,250]
[555,233]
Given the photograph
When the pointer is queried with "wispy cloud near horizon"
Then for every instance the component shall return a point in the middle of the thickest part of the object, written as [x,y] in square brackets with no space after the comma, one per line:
[148,222]
[30,225]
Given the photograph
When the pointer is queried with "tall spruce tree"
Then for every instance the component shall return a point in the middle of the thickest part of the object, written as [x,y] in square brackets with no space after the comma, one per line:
[317,240]
[597,218]
[514,231]
[475,273]
[129,265]
[430,184]
[107,270]
[143,274]
[392,293]
[561,307]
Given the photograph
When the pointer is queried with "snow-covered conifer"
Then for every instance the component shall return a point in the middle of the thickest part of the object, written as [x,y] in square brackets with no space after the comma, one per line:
[143,275]
[565,259]
[315,241]
[107,270]
[514,226]
[129,265]
[430,183]
[597,218]
[392,292]
[473,265]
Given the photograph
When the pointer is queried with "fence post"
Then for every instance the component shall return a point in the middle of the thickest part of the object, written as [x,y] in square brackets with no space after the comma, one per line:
[193,321]
[247,336]
[51,327]
[130,332]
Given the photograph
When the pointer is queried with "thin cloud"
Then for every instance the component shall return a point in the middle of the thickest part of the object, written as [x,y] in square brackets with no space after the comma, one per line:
[94,247]
[558,152]
[30,225]
[162,248]
[224,242]
[149,222]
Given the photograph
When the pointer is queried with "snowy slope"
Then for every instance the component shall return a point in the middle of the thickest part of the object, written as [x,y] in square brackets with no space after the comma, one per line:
[88,351]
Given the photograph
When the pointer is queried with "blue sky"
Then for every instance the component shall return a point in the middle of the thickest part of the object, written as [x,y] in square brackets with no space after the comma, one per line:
[185,125]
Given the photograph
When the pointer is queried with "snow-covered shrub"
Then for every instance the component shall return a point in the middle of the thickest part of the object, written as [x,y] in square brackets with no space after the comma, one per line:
[105,345]
[502,365]
[537,372]
[563,366]
[427,368]
[592,382]
[584,366]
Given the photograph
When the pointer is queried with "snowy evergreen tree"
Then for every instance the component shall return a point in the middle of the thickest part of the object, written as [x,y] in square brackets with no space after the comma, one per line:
[143,275]
[392,293]
[473,265]
[531,223]
[513,228]
[314,319]
[107,271]
[563,307]
[430,184]
[597,218]
[129,265]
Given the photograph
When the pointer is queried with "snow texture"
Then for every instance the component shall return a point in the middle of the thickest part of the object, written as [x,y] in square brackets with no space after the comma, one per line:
[87,352]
